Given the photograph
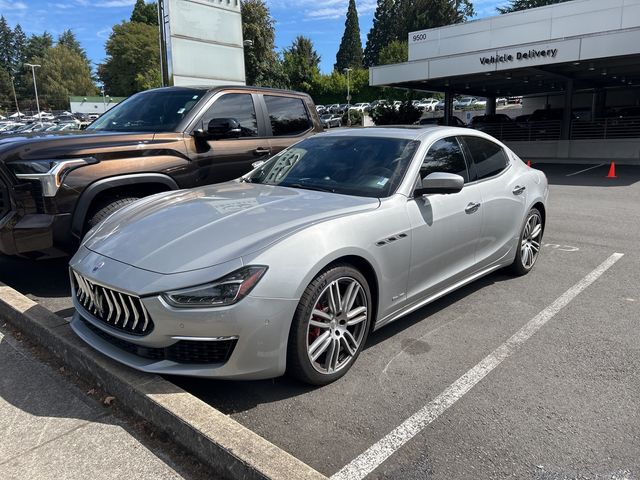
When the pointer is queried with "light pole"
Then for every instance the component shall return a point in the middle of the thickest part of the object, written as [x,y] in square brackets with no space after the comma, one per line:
[15,97]
[35,87]
[104,104]
[348,71]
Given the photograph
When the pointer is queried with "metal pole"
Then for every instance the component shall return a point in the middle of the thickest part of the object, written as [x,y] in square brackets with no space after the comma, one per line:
[348,70]
[15,97]
[104,105]
[35,88]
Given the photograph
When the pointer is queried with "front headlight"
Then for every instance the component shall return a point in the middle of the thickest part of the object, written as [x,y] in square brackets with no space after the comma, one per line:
[50,173]
[226,291]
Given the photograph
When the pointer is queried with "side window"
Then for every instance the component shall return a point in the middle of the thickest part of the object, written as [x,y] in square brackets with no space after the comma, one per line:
[445,156]
[488,157]
[238,106]
[288,115]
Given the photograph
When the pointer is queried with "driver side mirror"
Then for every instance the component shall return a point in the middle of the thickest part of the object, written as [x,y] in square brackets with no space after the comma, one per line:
[439,182]
[220,128]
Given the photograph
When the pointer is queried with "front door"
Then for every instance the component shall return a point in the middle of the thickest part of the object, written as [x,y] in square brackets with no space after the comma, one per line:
[444,228]
[225,159]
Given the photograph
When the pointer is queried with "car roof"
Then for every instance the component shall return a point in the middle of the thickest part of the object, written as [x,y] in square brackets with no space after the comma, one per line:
[209,88]
[408,132]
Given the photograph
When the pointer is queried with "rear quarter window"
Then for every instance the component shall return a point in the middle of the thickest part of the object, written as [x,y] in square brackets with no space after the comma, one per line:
[488,158]
[288,115]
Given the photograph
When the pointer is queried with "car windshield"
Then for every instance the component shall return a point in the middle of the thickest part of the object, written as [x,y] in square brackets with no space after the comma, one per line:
[152,111]
[359,166]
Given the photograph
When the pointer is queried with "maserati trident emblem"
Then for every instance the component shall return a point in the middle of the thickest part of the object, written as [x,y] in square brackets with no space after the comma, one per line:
[97,267]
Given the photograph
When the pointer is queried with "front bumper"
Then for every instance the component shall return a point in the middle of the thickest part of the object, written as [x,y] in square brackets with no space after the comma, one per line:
[259,328]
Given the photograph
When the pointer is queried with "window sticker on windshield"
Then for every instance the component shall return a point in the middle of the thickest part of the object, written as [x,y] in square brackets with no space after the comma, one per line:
[382,182]
[181,111]
[195,97]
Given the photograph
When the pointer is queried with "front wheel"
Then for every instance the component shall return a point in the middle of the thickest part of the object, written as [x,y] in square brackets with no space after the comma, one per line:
[330,326]
[529,243]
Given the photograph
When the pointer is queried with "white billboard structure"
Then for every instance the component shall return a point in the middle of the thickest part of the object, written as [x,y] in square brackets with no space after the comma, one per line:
[201,42]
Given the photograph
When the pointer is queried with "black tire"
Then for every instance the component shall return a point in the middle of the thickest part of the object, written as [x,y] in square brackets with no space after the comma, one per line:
[299,364]
[105,208]
[518,266]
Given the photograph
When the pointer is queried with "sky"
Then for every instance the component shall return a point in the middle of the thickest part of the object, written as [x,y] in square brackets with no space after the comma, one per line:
[91,20]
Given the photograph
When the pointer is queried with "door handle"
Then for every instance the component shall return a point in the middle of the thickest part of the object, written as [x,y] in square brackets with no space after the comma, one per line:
[261,151]
[518,190]
[472,207]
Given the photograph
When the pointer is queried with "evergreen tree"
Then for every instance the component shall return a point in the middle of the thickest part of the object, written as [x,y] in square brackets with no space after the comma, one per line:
[19,46]
[350,52]
[69,40]
[414,15]
[6,46]
[37,45]
[517,5]
[133,59]
[145,13]
[381,33]
[262,64]
[301,64]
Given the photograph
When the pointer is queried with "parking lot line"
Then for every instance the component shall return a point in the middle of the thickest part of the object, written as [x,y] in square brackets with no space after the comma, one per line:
[375,455]
[585,170]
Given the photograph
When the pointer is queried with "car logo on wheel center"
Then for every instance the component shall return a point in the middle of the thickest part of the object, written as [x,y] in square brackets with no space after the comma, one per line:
[97,267]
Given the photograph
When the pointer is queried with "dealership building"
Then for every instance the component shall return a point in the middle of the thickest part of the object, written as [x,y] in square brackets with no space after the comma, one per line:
[577,65]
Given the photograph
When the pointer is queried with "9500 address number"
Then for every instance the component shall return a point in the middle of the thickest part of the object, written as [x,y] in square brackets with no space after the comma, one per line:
[419,37]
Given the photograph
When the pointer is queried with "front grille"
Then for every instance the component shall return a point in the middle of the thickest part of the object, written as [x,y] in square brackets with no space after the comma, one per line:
[116,309]
[4,199]
[184,351]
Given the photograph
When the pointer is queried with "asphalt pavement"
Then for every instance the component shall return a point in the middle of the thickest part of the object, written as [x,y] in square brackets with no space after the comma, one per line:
[562,404]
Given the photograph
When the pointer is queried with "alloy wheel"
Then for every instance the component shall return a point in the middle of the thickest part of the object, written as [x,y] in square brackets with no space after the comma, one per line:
[530,245]
[337,325]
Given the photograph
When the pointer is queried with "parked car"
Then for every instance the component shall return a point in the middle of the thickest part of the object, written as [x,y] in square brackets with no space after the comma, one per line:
[334,108]
[397,104]
[453,121]
[465,102]
[501,101]
[495,124]
[361,107]
[291,266]
[375,103]
[428,104]
[329,120]
[321,109]
[158,140]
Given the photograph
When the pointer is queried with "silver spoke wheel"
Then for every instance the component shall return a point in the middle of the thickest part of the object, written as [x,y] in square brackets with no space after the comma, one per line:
[337,325]
[531,237]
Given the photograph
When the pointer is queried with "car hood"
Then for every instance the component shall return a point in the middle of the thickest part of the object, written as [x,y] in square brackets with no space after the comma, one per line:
[52,145]
[191,229]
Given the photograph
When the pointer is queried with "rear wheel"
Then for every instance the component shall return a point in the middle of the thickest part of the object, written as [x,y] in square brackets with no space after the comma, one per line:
[529,243]
[330,326]
[105,208]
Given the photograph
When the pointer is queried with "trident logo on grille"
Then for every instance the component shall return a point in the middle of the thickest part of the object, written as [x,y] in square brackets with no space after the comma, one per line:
[97,267]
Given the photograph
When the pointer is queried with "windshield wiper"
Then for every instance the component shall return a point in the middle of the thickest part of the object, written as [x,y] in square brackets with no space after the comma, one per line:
[308,187]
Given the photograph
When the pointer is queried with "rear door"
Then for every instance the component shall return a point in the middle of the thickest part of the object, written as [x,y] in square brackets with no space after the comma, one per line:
[444,228]
[225,159]
[503,199]
[288,120]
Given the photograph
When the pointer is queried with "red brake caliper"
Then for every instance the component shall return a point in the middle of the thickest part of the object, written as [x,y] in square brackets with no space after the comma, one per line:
[314,332]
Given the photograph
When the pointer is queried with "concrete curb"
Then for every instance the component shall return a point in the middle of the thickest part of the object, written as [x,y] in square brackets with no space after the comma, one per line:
[228,448]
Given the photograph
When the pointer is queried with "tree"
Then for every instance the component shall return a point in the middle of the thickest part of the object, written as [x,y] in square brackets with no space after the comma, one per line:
[414,15]
[63,72]
[69,40]
[19,45]
[350,52]
[517,5]
[262,64]
[133,59]
[37,45]
[301,64]
[6,46]
[145,13]
[395,52]
[381,33]
[6,92]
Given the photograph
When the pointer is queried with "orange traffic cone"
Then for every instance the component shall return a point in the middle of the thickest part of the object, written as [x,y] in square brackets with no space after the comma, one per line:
[612,171]
[529,163]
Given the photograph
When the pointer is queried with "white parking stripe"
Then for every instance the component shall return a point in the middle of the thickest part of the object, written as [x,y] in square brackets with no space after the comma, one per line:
[373,457]
[585,170]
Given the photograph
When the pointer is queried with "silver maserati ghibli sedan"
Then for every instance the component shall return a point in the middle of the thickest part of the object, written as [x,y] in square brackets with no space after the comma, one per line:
[290,267]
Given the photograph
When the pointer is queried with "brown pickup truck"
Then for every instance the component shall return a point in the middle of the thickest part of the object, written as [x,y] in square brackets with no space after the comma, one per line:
[54,187]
